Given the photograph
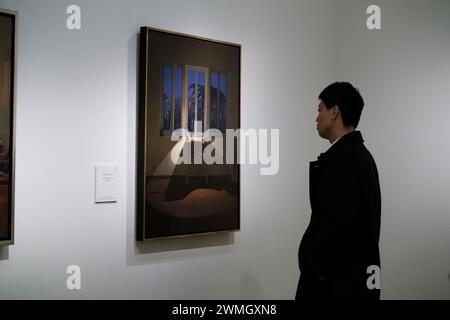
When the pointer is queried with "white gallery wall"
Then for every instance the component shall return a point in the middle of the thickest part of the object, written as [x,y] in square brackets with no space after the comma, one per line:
[76,107]
[403,70]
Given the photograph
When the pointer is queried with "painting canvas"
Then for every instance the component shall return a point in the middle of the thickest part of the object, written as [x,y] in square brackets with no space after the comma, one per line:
[188,85]
[7,54]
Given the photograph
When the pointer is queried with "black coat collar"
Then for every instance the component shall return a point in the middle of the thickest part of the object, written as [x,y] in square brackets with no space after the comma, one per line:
[351,137]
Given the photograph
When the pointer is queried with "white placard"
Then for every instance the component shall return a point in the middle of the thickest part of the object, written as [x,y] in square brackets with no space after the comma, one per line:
[106,183]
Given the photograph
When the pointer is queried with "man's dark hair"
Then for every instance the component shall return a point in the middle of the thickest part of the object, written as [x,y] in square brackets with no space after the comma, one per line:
[347,98]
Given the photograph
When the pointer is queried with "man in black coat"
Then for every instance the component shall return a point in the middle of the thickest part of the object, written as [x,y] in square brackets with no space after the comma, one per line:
[340,245]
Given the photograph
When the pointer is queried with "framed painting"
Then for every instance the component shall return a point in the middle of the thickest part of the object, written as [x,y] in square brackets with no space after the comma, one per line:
[7,104]
[188,176]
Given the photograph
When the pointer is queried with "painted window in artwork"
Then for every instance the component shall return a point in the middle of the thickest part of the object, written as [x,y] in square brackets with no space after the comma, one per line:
[167,98]
[196,100]
[172,97]
[178,97]
[185,103]
[219,101]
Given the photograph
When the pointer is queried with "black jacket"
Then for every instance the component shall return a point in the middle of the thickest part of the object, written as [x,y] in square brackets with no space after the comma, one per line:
[341,241]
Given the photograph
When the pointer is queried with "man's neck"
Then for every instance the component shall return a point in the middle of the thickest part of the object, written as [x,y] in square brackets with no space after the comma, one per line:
[340,133]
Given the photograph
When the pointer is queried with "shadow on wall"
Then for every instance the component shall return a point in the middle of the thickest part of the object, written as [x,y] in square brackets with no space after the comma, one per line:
[4,253]
[184,243]
[163,250]
[249,288]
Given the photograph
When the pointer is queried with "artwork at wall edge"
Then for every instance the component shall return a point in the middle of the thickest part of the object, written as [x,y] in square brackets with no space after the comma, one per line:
[187,84]
[8,20]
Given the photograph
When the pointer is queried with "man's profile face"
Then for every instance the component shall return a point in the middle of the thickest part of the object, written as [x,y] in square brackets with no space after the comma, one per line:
[324,121]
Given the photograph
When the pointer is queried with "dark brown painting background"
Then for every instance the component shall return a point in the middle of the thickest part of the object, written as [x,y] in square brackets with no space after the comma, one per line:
[193,198]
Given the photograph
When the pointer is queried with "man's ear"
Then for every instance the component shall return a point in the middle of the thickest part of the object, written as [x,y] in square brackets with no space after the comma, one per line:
[335,112]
